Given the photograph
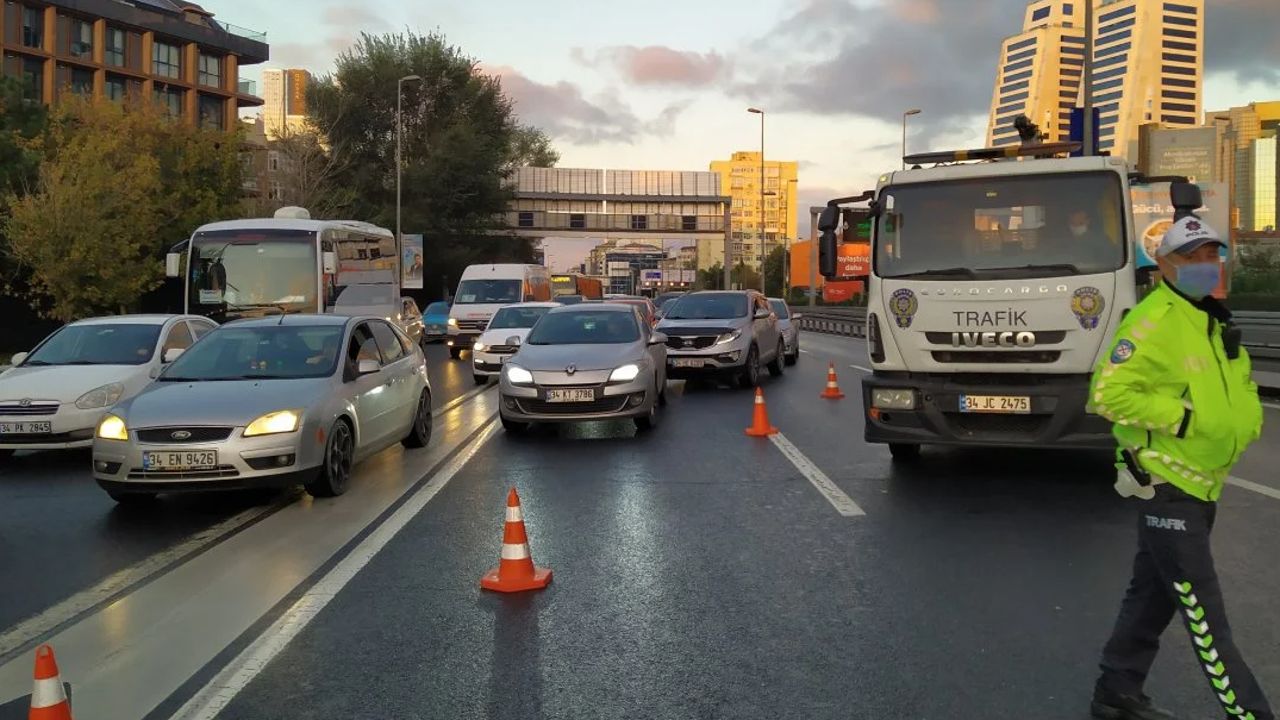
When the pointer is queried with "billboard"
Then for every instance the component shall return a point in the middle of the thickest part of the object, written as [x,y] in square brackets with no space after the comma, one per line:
[411,263]
[1190,152]
[651,276]
[854,259]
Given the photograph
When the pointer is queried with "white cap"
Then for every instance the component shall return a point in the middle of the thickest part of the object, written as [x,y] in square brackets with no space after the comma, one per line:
[1187,235]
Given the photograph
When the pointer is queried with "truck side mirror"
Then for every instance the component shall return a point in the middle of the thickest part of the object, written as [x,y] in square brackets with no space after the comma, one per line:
[173,265]
[1186,199]
[828,223]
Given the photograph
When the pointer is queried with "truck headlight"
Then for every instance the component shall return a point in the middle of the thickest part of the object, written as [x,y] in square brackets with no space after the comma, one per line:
[113,428]
[453,322]
[626,373]
[891,399]
[517,375]
[105,396]
[274,423]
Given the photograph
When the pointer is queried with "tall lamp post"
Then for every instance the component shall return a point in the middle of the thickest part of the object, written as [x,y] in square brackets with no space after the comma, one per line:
[760,112]
[906,115]
[785,209]
[399,161]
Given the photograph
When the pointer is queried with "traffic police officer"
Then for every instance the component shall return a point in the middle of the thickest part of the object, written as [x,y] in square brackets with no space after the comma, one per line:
[1177,385]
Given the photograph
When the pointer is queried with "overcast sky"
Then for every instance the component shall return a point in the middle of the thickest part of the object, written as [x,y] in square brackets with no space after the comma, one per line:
[662,84]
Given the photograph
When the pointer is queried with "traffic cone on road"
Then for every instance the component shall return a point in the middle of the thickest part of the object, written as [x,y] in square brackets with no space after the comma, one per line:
[833,388]
[760,426]
[48,697]
[516,571]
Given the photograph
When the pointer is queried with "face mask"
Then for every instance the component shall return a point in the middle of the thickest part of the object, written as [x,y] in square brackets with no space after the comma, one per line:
[1079,230]
[1198,280]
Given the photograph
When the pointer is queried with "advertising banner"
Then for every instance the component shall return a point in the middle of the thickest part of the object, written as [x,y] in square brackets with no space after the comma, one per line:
[411,262]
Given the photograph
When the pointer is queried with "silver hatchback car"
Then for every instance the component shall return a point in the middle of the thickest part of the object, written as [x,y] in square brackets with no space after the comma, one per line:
[280,401]
[586,362]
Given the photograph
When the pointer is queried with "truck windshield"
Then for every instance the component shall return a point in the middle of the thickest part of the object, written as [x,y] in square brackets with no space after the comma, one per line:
[250,273]
[492,292]
[1009,227]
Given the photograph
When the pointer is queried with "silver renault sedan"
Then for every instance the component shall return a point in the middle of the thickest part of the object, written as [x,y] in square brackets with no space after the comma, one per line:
[586,362]
[281,401]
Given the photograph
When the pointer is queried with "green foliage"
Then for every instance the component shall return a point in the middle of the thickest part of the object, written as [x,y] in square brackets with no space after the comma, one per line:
[773,272]
[1255,284]
[712,278]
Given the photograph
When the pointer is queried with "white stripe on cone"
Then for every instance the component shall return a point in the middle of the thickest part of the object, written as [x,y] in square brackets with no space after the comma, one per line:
[515,514]
[47,693]
[515,552]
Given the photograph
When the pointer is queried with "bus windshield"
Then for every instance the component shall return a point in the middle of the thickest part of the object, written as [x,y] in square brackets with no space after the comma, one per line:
[249,273]
[1002,228]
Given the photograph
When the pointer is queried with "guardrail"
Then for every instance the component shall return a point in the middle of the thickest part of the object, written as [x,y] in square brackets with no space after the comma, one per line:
[1261,329]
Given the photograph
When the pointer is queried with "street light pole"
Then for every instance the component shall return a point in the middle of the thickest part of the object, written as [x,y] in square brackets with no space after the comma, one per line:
[784,209]
[399,161]
[763,254]
[906,115]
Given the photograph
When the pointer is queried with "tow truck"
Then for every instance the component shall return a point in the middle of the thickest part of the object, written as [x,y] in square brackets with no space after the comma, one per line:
[986,310]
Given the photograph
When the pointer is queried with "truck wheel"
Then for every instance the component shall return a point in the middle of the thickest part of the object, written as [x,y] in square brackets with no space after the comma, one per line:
[455,352]
[904,452]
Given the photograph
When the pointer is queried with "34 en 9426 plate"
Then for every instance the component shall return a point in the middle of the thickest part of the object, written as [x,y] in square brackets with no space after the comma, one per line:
[180,460]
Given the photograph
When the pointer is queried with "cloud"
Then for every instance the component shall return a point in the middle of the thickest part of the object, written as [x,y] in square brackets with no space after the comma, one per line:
[562,111]
[657,65]
[877,60]
[342,25]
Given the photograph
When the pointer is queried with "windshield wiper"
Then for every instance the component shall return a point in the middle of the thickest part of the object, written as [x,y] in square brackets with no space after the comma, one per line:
[964,271]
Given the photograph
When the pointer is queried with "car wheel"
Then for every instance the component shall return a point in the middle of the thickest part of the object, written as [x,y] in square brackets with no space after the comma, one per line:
[455,352]
[481,379]
[420,434]
[904,452]
[645,423]
[339,454]
[794,357]
[131,498]
[514,427]
[750,376]
[779,357]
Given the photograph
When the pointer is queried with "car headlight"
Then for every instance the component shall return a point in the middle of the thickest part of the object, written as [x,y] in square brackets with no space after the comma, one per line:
[282,421]
[626,373]
[453,322]
[890,399]
[728,337]
[517,375]
[478,347]
[105,396]
[113,428]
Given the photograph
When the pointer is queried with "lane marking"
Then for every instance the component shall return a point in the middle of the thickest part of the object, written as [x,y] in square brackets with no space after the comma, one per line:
[1273,406]
[806,352]
[223,688]
[1255,487]
[20,637]
[834,495]
[461,399]
[869,371]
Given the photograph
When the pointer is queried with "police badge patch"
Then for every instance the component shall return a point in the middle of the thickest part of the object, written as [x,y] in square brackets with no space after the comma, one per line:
[1124,350]
[903,305]
[1087,305]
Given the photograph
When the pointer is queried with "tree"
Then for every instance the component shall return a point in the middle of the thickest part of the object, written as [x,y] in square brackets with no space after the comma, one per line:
[308,174]
[461,142]
[116,188]
[745,278]
[773,272]
[712,278]
[22,122]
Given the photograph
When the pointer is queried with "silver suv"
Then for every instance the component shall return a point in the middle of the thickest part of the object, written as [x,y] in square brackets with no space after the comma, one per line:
[722,334]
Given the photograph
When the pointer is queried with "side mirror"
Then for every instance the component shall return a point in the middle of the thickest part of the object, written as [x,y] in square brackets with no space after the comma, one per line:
[1186,199]
[330,261]
[658,338]
[513,340]
[154,373]
[828,223]
[762,314]
[368,367]
[17,359]
[173,265]
[172,354]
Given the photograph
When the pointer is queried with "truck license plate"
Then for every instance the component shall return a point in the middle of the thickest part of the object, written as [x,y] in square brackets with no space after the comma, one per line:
[26,428]
[571,396]
[1016,405]
[180,460]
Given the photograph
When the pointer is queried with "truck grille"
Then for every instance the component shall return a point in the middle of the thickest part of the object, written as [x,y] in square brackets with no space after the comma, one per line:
[196,435]
[473,325]
[31,409]
[1012,357]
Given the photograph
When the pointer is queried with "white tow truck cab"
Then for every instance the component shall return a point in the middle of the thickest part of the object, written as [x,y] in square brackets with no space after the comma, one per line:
[994,288]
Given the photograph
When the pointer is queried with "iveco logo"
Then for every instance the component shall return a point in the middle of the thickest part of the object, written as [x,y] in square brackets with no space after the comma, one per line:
[1022,339]
[180,435]
[571,369]
[1007,291]
[24,402]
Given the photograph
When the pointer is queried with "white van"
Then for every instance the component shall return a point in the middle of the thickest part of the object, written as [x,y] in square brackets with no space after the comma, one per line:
[483,290]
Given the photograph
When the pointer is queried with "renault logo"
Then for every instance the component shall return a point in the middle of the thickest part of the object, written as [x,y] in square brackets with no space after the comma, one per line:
[180,435]
[571,369]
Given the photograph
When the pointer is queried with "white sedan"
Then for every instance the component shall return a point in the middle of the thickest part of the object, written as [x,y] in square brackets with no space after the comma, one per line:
[502,337]
[53,397]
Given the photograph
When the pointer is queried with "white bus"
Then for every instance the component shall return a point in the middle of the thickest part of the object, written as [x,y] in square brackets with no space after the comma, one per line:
[285,264]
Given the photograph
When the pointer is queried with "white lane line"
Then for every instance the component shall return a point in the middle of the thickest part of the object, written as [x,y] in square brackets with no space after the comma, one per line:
[461,399]
[223,688]
[834,495]
[806,352]
[1273,406]
[31,629]
[869,371]
[1260,489]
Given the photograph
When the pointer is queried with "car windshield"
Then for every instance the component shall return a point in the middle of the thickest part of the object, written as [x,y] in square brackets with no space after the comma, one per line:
[516,318]
[97,344]
[437,308]
[709,306]
[780,309]
[585,327]
[260,352]
[366,296]
[232,272]
[476,292]
[1018,227]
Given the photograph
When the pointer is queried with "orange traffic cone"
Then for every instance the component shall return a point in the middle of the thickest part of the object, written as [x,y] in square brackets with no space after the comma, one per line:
[760,426]
[48,698]
[833,388]
[515,571]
